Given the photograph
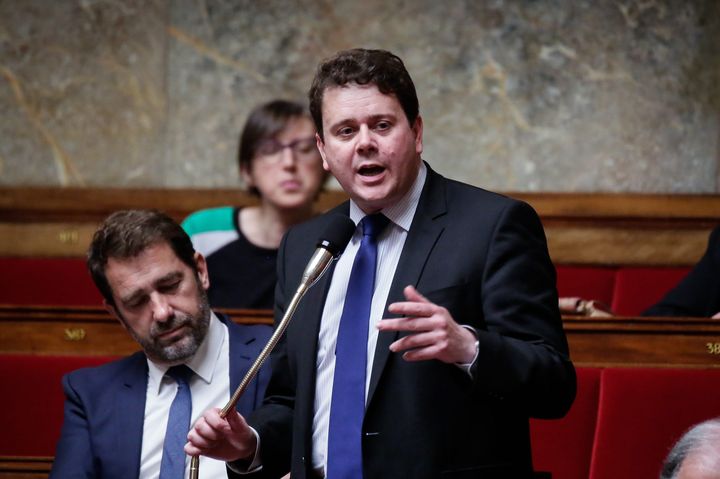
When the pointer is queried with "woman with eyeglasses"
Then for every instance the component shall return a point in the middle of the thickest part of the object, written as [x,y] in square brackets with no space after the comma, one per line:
[279,162]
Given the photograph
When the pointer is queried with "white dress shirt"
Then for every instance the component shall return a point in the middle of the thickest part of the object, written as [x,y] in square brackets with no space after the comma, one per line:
[209,386]
[390,246]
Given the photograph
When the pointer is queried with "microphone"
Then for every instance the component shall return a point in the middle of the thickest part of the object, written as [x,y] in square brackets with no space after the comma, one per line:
[332,242]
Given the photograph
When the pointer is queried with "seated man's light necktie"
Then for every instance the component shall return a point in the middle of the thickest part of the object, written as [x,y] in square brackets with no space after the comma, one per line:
[173,457]
[344,458]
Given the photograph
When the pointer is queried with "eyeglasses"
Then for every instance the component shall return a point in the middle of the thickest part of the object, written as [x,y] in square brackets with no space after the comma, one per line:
[270,150]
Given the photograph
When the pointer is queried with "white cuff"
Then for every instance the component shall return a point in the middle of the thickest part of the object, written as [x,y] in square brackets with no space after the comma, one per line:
[242,466]
[468,366]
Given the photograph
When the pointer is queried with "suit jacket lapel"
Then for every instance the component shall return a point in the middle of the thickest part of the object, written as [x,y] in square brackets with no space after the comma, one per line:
[312,306]
[240,363]
[310,314]
[128,416]
[426,228]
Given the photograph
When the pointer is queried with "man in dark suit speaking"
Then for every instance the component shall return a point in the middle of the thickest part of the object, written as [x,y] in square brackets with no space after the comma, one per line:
[436,336]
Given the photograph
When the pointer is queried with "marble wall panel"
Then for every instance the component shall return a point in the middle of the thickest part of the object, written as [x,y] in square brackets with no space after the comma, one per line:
[543,95]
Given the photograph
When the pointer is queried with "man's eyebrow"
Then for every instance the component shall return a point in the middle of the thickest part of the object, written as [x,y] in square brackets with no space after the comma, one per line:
[369,119]
[133,296]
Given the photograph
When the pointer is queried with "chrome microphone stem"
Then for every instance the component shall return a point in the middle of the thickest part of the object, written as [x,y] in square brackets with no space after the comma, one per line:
[272,342]
[315,268]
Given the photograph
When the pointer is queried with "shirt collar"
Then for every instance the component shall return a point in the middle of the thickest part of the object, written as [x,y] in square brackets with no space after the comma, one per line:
[402,212]
[202,363]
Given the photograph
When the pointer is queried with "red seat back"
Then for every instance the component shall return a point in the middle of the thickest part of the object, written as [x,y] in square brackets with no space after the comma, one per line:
[563,447]
[643,412]
[586,282]
[47,281]
[636,289]
[32,401]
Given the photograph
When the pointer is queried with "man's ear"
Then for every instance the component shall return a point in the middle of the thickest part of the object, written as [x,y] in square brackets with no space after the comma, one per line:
[418,130]
[202,270]
[321,148]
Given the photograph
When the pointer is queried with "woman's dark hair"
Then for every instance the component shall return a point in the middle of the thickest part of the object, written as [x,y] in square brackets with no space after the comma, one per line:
[263,123]
[364,67]
[126,234]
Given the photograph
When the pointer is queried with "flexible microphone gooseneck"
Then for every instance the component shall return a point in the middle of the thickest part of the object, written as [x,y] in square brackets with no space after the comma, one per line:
[333,241]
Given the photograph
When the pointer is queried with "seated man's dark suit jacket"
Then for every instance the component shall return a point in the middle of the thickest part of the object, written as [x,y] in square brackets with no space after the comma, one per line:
[482,256]
[105,407]
[698,294]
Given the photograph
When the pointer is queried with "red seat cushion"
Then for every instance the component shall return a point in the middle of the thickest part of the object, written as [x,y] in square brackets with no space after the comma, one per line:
[32,401]
[563,447]
[643,412]
[586,282]
[636,289]
[47,281]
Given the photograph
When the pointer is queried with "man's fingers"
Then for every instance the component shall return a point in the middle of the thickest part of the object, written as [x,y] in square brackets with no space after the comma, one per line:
[412,294]
[415,341]
[412,325]
[236,421]
[407,308]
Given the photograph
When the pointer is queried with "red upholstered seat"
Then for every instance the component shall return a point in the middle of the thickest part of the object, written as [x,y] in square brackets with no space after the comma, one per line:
[586,282]
[563,447]
[32,401]
[643,412]
[636,289]
[47,281]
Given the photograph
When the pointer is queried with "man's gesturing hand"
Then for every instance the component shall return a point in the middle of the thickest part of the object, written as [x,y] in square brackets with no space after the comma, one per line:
[435,335]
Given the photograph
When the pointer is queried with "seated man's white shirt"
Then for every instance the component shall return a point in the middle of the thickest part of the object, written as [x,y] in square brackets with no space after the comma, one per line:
[209,386]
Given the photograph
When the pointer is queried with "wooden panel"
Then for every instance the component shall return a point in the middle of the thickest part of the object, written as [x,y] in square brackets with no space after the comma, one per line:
[66,204]
[582,228]
[59,222]
[662,342]
[618,206]
[78,331]
[590,245]
[33,204]
[617,341]
[60,239]
[25,467]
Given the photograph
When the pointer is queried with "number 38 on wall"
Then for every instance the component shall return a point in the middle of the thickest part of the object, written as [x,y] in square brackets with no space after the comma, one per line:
[713,348]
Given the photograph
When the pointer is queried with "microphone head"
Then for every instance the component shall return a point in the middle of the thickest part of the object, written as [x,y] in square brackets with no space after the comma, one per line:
[337,234]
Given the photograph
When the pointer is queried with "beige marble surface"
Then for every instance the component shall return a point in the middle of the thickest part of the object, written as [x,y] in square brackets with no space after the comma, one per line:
[544,95]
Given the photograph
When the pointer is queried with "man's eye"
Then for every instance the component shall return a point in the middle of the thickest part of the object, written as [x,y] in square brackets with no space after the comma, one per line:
[346,131]
[170,287]
[383,125]
[136,303]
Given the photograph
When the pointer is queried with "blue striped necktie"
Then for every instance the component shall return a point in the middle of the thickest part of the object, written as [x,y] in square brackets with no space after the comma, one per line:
[344,459]
[173,457]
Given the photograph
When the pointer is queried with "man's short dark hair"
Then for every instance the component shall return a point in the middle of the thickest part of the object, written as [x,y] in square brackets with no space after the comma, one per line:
[263,123]
[364,67]
[126,234]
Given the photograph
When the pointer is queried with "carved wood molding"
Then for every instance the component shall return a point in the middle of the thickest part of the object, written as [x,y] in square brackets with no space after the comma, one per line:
[48,330]
[42,204]
[616,341]
[26,467]
[582,228]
